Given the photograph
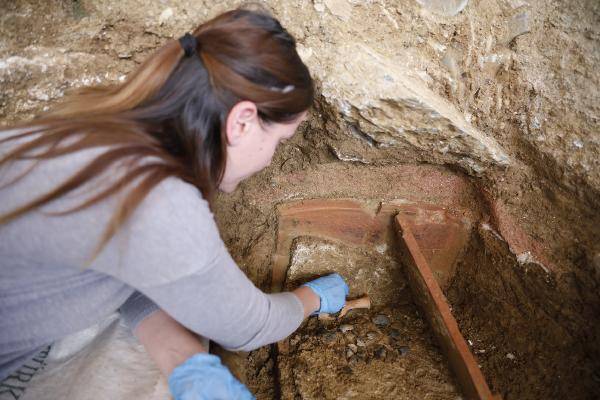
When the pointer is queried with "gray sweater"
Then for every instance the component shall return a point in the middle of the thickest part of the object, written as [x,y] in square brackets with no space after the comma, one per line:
[169,255]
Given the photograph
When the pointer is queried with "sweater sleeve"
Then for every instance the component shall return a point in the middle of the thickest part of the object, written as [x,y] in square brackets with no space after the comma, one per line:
[137,308]
[172,252]
[222,304]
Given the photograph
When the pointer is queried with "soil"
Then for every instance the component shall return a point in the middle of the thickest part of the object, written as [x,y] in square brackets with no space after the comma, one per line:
[532,320]
[382,353]
[396,361]
[535,337]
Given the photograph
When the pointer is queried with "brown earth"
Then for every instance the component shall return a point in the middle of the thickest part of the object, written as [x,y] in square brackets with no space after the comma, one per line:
[526,291]
[381,353]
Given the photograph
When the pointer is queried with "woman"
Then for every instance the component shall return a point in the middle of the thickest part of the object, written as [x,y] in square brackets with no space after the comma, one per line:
[105,206]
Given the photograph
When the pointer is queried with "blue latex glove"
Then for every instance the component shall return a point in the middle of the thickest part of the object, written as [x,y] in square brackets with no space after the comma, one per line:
[332,290]
[203,377]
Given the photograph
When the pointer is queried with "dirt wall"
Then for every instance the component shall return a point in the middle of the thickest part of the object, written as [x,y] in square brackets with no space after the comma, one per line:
[536,337]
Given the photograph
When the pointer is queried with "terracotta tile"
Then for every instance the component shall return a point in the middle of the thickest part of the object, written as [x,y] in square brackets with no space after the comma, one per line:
[441,235]
[435,306]
[344,220]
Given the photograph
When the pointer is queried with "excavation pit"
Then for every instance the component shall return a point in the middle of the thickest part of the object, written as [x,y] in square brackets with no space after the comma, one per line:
[510,310]
[385,352]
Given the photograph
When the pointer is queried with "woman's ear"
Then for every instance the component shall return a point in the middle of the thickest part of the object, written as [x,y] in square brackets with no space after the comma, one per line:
[240,122]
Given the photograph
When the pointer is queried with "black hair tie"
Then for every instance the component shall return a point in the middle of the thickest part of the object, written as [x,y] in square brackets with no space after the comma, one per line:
[189,43]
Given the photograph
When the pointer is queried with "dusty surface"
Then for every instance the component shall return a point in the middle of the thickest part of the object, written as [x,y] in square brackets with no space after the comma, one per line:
[450,110]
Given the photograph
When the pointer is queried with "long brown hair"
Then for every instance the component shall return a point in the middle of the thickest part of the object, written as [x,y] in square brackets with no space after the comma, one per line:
[173,108]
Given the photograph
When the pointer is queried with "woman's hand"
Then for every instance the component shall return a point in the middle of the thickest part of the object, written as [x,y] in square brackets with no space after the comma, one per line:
[332,291]
[203,377]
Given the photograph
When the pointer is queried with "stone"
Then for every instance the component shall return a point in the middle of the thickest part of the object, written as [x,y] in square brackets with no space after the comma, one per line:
[518,25]
[381,320]
[319,7]
[403,114]
[447,8]
[349,353]
[165,15]
[346,328]
[403,350]
[325,318]
[360,343]
[450,61]
[380,353]
[353,360]
[340,8]
[353,347]
[329,337]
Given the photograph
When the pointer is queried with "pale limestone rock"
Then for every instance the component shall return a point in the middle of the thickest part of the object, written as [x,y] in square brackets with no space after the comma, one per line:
[320,7]
[393,107]
[340,8]
[518,25]
[165,15]
[444,7]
